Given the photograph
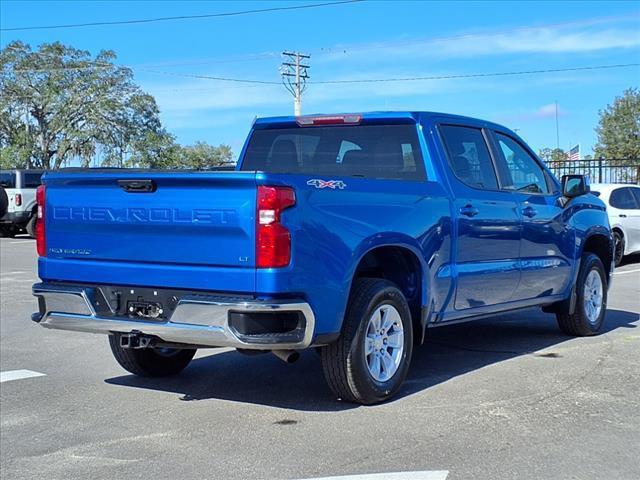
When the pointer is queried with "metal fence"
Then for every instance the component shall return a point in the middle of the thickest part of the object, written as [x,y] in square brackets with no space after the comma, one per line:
[615,170]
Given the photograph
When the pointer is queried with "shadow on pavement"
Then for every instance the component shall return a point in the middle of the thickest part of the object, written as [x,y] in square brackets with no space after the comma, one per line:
[448,352]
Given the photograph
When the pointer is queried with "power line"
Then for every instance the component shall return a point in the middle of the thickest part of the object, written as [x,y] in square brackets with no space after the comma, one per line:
[180,17]
[209,77]
[477,75]
[398,79]
[94,64]
[266,55]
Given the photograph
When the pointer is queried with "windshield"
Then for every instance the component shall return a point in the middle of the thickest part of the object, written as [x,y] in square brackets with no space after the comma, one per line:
[368,151]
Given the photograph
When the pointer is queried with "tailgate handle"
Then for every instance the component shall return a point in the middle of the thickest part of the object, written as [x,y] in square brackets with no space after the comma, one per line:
[137,186]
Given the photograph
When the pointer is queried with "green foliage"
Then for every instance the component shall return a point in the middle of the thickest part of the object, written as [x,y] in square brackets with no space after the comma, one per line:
[202,156]
[619,128]
[13,157]
[553,155]
[162,152]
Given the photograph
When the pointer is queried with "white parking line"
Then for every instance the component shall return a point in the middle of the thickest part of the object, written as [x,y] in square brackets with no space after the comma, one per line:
[627,271]
[424,475]
[19,375]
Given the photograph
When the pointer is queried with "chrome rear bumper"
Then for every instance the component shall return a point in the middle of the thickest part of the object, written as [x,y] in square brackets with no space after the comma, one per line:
[197,320]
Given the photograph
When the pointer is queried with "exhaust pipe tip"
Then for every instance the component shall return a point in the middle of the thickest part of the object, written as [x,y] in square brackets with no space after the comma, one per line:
[287,356]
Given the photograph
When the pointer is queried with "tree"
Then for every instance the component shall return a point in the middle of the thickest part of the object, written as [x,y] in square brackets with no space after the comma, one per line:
[619,128]
[161,151]
[155,150]
[202,156]
[553,155]
[58,103]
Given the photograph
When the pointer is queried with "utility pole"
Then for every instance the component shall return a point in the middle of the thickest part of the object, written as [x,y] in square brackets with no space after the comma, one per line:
[294,77]
[26,129]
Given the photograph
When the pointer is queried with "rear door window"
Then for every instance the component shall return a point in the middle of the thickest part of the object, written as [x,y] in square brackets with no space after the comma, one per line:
[623,199]
[636,193]
[31,179]
[469,156]
[367,151]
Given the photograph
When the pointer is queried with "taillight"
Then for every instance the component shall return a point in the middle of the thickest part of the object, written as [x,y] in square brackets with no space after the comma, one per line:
[273,240]
[17,199]
[41,243]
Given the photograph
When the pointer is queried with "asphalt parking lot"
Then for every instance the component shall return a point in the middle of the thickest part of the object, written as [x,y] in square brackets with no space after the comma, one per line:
[508,397]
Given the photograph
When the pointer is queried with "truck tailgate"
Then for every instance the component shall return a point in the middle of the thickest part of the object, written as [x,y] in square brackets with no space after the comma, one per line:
[192,230]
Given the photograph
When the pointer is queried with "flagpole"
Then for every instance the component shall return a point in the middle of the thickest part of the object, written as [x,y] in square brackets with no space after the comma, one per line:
[557,128]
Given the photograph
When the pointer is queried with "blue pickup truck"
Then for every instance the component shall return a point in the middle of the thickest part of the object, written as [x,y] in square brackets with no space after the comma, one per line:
[350,234]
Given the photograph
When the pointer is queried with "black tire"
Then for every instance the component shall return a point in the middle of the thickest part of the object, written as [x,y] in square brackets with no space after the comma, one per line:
[150,362]
[578,324]
[4,202]
[618,252]
[344,361]
[7,232]
[30,227]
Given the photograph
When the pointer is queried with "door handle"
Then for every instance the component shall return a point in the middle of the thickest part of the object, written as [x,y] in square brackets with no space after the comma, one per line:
[529,212]
[622,215]
[138,186]
[469,211]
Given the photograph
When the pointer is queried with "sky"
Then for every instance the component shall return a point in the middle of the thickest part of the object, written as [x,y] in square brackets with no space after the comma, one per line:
[357,41]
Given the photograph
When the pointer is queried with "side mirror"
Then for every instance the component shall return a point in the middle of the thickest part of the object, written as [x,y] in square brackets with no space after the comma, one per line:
[575,185]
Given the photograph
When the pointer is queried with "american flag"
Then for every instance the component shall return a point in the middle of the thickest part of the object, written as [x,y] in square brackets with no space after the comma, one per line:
[574,153]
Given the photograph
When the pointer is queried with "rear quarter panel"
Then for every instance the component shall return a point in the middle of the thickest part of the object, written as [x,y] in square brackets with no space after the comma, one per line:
[332,230]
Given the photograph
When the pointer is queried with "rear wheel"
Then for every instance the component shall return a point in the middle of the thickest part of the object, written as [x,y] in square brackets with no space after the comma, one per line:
[4,201]
[7,231]
[150,362]
[370,360]
[619,247]
[591,305]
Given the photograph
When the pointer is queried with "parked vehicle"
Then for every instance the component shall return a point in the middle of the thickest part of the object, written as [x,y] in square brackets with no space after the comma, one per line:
[623,208]
[19,187]
[352,234]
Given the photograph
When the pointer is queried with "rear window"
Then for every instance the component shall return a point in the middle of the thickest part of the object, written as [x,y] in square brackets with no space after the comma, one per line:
[8,179]
[368,151]
[31,180]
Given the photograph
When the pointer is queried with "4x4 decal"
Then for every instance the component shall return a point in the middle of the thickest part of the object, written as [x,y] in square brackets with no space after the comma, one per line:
[332,184]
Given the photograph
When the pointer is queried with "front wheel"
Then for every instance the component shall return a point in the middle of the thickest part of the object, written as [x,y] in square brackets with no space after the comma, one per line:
[370,360]
[150,362]
[591,305]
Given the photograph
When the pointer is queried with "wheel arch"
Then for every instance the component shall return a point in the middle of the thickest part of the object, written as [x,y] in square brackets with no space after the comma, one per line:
[600,242]
[400,261]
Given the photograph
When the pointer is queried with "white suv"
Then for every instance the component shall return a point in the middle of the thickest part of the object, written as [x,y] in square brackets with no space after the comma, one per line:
[623,207]
[18,191]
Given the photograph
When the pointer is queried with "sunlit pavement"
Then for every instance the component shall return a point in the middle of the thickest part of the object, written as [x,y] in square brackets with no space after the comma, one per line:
[509,397]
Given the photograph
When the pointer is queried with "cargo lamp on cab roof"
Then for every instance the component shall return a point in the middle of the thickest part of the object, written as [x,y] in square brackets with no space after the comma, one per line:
[351,119]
